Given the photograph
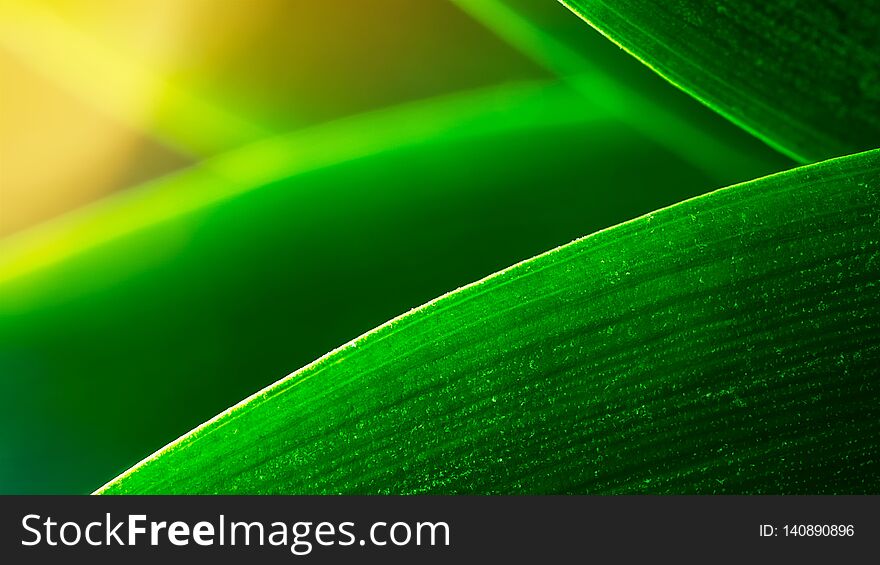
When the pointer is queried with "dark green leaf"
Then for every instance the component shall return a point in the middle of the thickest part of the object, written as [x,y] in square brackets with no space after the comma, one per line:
[803,76]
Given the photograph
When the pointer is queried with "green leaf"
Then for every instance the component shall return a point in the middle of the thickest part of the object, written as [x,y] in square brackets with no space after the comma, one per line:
[727,344]
[128,323]
[802,76]
[598,71]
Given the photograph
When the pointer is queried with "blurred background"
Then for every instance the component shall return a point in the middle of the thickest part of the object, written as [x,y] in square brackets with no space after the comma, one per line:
[198,197]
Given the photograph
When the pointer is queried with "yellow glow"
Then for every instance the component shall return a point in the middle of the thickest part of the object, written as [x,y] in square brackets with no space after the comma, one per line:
[127,88]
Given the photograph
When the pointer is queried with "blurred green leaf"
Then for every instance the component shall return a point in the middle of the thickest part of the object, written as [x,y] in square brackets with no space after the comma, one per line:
[727,344]
[802,76]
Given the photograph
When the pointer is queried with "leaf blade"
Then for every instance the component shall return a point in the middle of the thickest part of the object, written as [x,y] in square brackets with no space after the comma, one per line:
[636,380]
[260,283]
[802,78]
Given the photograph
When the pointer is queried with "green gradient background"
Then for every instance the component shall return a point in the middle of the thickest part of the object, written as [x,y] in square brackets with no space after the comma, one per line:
[110,351]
